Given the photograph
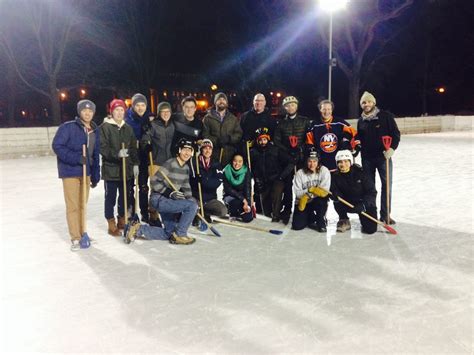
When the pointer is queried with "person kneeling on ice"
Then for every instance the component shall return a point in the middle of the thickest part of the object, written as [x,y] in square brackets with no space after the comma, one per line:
[173,203]
[353,185]
[237,189]
[311,186]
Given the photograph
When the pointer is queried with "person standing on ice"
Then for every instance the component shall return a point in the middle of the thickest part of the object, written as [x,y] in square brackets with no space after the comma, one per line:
[372,126]
[311,186]
[113,133]
[237,189]
[187,125]
[352,184]
[175,204]
[290,135]
[139,118]
[67,145]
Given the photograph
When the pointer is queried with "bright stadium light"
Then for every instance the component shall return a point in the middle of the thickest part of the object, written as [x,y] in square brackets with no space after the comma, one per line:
[331,6]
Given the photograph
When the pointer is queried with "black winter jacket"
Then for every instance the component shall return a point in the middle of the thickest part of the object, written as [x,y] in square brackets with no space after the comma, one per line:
[354,186]
[290,136]
[270,163]
[211,179]
[241,191]
[189,130]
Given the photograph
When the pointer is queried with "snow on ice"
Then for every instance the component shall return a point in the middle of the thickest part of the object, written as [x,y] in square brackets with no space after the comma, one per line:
[247,292]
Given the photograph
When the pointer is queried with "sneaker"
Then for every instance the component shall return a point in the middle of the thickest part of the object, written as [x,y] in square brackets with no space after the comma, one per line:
[130,232]
[343,225]
[318,227]
[285,220]
[208,218]
[185,240]
[75,246]
[275,219]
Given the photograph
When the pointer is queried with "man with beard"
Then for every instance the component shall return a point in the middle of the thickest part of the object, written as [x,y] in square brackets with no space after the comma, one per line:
[222,128]
[372,126]
[186,125]
[139,118]
[258,117]
[328,135]
[290,136]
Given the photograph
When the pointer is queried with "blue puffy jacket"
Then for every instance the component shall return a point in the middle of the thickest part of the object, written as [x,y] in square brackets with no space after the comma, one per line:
[67,144]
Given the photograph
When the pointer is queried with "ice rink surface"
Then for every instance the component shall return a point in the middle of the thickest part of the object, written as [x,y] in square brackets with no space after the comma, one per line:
[247,292]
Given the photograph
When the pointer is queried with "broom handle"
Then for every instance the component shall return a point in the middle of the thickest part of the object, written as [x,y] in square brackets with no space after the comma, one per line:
[199,186]
[124,168]
[84,190]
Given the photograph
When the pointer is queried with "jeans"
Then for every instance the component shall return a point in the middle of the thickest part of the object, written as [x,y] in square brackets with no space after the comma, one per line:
[379,164]
[177,215]
[152,233]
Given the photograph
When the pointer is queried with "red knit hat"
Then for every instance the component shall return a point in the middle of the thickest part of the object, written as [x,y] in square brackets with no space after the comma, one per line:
[117,103]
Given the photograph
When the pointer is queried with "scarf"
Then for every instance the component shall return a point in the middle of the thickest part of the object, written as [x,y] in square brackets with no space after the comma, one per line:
[235,177]
[371,116]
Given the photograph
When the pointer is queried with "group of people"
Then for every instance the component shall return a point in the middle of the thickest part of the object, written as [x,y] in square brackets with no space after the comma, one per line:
[178,161]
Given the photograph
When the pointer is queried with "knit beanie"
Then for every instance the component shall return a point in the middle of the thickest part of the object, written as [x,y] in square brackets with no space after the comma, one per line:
[117,103]
[139,98]
[206,143]
[219,95]
[163,106]
[83,104]
[367,96]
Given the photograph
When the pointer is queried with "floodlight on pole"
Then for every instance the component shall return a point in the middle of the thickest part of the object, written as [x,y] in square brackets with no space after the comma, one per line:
[331,6]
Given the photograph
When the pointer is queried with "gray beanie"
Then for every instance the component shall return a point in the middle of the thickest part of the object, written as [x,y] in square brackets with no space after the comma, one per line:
[83,104]
[163,106]
[219,95]
[139,98]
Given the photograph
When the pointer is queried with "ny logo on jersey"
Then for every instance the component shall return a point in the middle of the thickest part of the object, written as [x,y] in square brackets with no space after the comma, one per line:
[328,143]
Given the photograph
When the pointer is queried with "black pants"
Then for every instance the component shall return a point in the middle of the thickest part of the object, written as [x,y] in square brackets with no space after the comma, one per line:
[368,226]
[314,213]
[287,195]
[236,209]
[271,199]
[111,188]
[143,192]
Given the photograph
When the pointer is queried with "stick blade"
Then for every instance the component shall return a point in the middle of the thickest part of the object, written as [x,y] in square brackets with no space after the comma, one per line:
[390,229]
[276,231]
[215,231]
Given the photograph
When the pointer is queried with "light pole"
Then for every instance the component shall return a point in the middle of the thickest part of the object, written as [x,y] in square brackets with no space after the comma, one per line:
[331,6]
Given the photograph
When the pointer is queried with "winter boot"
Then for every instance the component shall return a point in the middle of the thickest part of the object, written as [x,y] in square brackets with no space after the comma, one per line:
[120,223]
[384,220]
[113,230]
[185,240]
[196,221]
[343,225]
[130,232]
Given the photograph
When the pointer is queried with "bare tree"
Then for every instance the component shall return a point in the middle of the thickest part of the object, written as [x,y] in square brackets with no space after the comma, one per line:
[35,35]
[356,38]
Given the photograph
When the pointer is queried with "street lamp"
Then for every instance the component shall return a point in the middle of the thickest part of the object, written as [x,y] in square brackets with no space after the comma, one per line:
[331,6]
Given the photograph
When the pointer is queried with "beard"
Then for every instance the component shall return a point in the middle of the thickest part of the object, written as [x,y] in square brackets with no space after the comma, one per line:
[221,106]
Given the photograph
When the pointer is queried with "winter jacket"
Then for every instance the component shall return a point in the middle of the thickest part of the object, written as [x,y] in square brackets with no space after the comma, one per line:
[241,191]
[304,180]
[189,130]
[139,125]
[67,145]
[330,137]
[269,164]
[250,121]
[178,175]
[112,136]
[161,138]
[370,133]
[354,186]
[290,135]
[211,178]
[224,134]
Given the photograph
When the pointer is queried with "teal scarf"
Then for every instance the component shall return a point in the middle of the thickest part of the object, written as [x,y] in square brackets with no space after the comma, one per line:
[235,177]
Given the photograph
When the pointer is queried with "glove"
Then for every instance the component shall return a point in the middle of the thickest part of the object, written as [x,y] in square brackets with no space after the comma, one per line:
[123,153]
[303,201]
[177,195]
[318,191]
[388,153]
[93,184]
[83,160]
[356,150]
[148,149]
[135,171]
[359,208]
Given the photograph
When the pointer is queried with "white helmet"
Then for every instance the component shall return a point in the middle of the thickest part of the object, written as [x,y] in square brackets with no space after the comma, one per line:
[344,155]
[289,99]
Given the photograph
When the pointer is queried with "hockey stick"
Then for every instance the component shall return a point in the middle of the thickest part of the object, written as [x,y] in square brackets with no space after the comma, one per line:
[135,217]
[236,224]
[213,230]
[85,241]
[202,226]
[151,173]
[387,227]
[252,202]
[125,191]
[387,142]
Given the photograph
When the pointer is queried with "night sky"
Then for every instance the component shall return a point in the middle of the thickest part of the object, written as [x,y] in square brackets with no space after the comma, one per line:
[250,46]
